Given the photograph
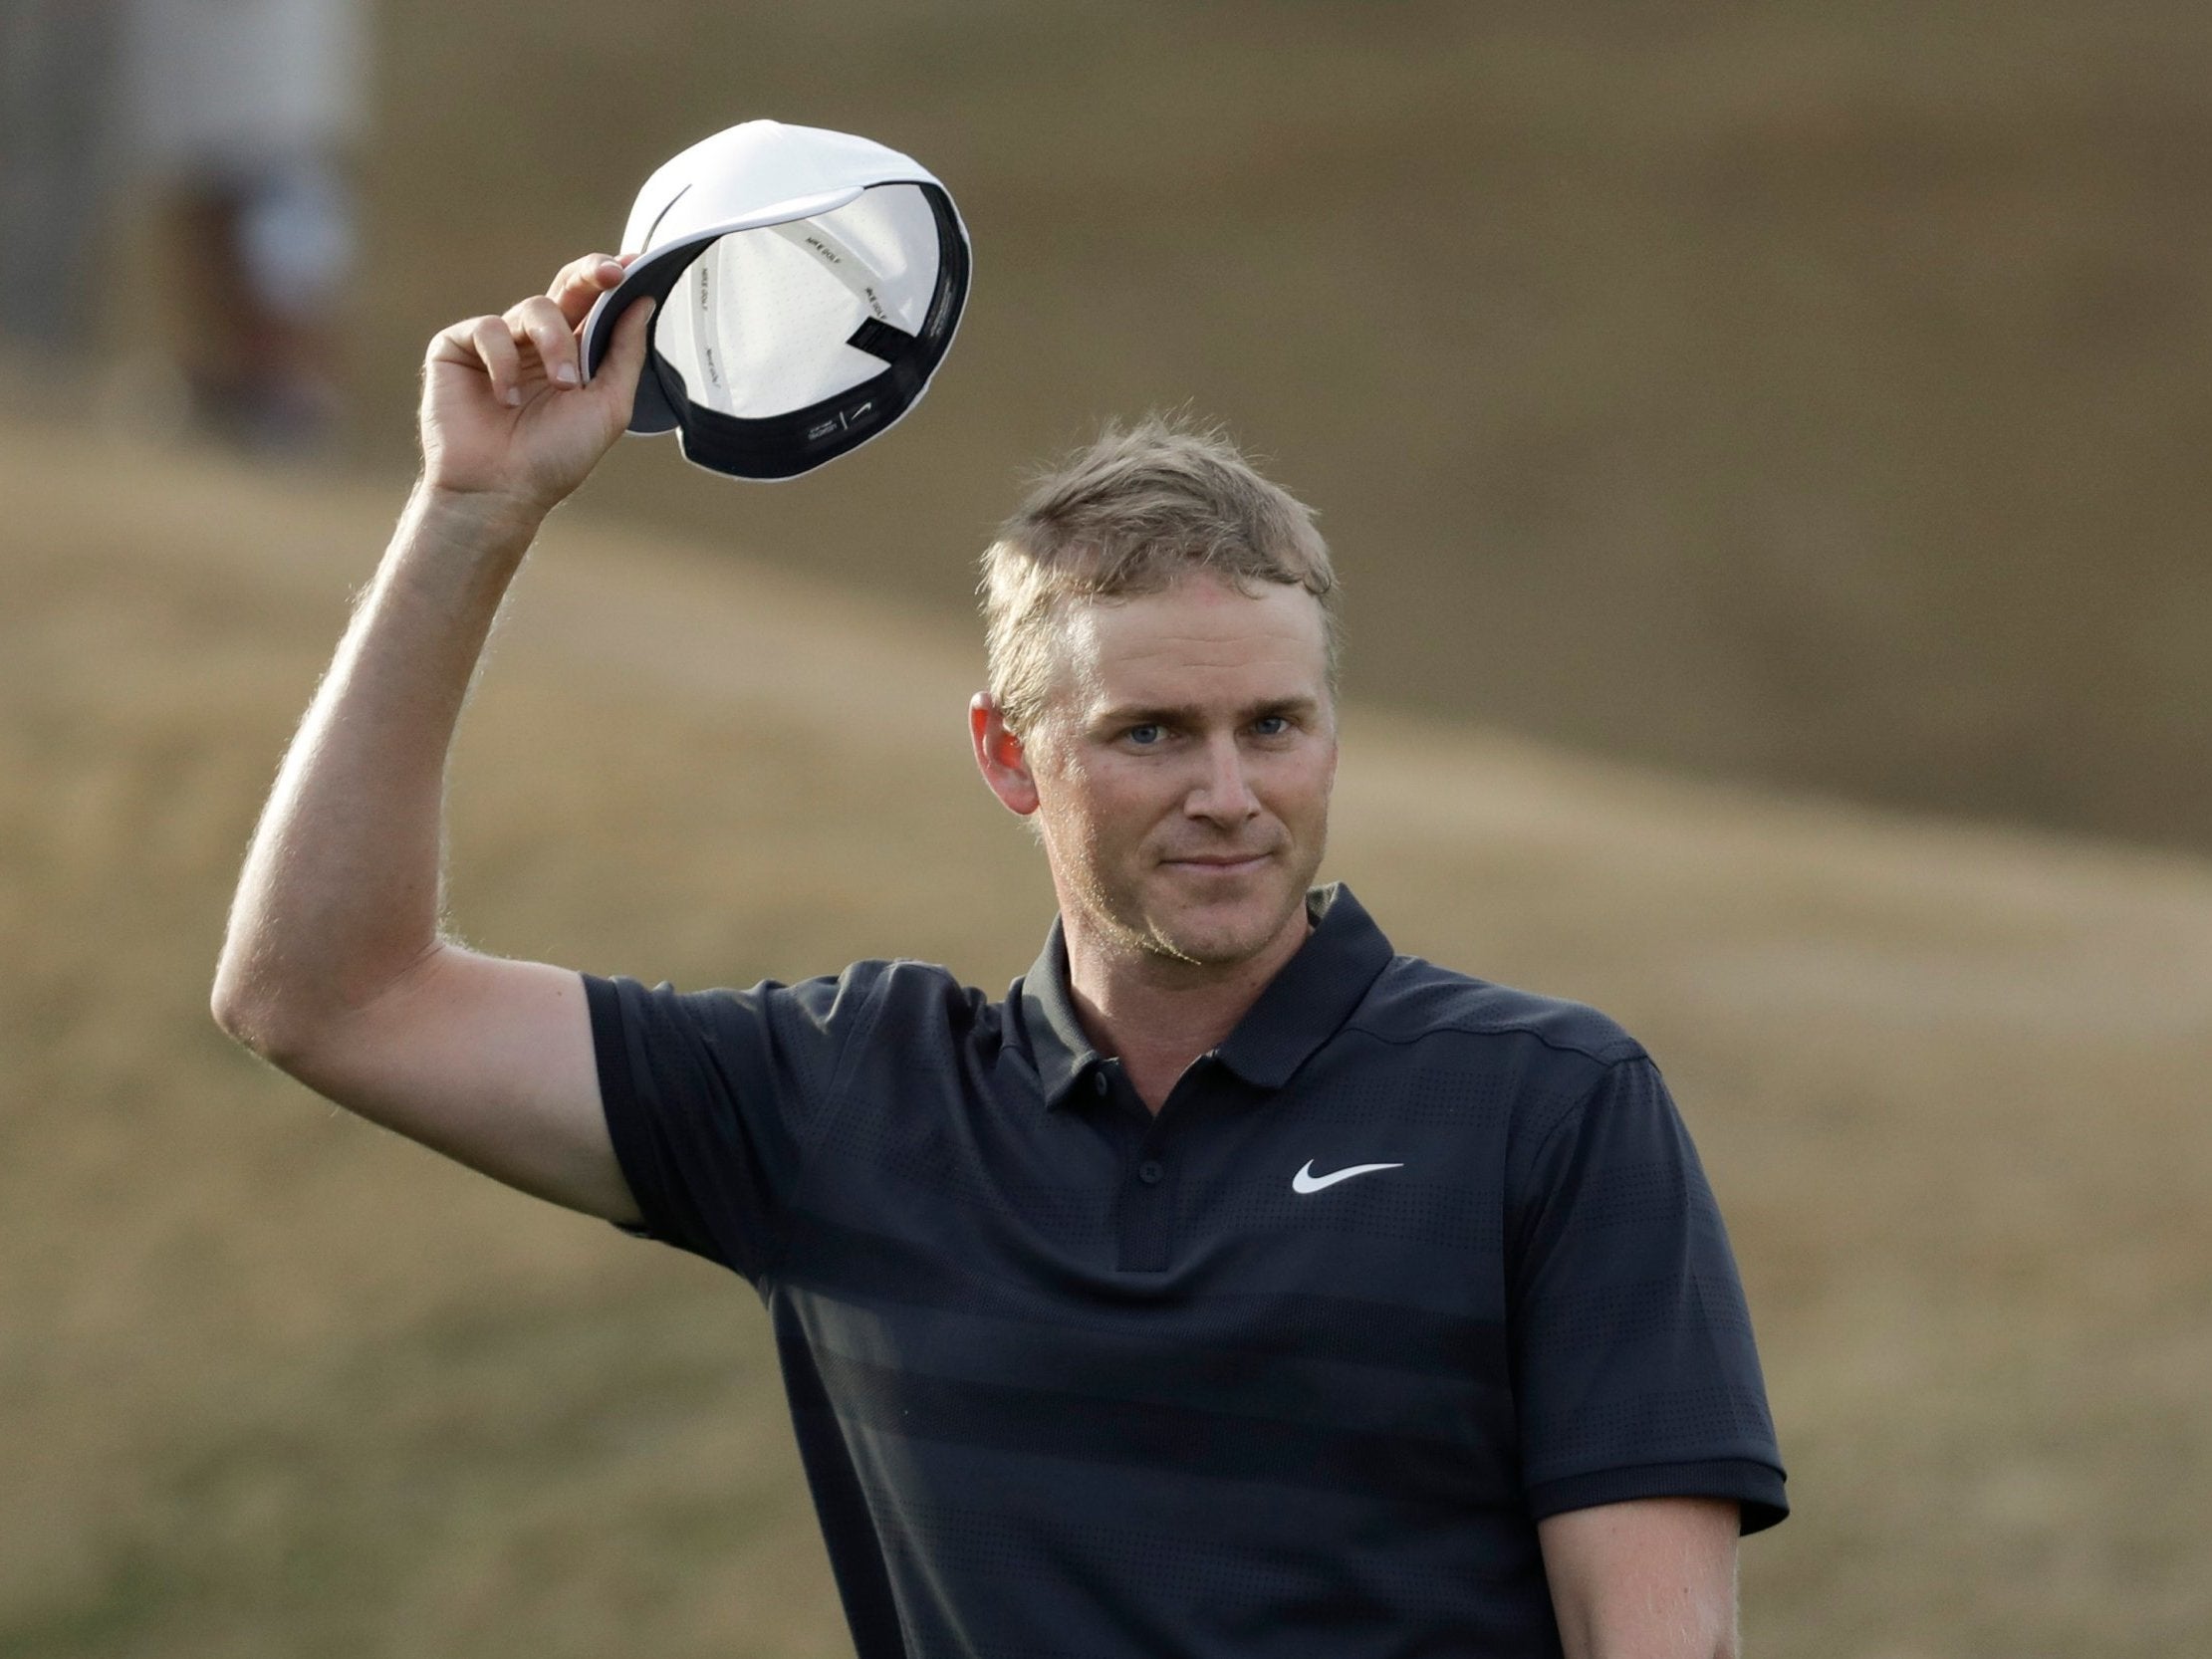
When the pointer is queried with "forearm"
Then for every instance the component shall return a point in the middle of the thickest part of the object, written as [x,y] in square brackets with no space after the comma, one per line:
[340,890]
[1648,1579]
[1651,1633]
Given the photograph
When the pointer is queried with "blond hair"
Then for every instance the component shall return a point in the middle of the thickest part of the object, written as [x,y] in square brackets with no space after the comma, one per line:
[1128,515]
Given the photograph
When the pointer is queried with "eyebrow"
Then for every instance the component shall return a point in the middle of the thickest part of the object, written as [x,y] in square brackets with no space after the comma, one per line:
[1190,714]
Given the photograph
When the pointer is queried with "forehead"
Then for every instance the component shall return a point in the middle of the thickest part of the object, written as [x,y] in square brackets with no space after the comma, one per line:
[1200,642]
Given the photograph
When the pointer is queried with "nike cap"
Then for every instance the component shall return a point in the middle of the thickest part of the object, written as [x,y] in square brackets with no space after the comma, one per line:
[810,283]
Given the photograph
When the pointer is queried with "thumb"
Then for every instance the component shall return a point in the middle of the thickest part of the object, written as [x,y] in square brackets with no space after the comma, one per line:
[625,355]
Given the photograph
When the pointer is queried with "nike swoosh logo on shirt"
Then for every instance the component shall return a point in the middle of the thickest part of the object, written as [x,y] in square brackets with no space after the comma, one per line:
[1307,1181]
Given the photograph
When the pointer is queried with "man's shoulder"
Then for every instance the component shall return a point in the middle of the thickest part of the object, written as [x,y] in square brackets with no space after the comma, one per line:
[1414,1000]
[899,999]
[888,983]
[874,997]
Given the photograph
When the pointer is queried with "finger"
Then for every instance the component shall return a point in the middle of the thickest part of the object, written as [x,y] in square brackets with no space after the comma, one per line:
[455,345]
[579,272]
[493,344]
[550,336]
[617,380]
[583,281]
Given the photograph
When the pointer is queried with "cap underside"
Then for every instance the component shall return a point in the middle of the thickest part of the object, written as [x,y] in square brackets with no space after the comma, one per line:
[759,324]
[779,347]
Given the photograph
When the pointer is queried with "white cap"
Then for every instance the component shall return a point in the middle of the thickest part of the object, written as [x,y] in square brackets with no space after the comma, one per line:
[810,283]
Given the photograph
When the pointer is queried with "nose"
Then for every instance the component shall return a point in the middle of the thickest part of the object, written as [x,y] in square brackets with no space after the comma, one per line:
[1222,793]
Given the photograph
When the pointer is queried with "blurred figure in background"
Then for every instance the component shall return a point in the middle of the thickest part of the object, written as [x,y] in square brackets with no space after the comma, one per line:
[57,67]
[242,115]
[231,125]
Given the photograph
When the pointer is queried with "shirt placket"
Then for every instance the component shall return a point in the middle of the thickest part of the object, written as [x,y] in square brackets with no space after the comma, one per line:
[1145,1234]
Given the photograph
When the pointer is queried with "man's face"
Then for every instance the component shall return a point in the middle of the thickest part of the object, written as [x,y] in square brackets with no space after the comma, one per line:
[1183,767]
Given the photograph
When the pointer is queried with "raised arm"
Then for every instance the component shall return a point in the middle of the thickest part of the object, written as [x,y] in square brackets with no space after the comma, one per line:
[333,967]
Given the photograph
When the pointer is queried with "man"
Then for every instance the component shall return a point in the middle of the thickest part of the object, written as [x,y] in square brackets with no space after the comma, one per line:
[1235,1286]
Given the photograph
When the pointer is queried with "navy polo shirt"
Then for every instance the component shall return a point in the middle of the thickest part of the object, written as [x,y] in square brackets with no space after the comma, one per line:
[1410,1262]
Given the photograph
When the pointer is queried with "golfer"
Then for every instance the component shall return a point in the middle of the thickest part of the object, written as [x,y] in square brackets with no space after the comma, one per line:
[1236,1287]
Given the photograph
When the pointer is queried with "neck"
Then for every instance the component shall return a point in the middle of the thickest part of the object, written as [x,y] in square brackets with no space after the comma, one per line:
[1156,1014]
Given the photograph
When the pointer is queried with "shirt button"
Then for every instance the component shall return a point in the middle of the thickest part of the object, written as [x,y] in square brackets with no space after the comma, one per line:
[1098,1083]
[1149,1172]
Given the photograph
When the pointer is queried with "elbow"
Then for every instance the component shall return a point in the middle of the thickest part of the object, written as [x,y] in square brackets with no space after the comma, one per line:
[287,1015]
[227,1001]
[242,1017]
[254,1017]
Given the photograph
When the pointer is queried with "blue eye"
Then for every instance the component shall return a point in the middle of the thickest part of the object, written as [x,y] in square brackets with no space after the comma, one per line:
[1146,735]
[1271,724]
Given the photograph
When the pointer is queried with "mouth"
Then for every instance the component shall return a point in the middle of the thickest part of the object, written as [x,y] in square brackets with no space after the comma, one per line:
[1220,863]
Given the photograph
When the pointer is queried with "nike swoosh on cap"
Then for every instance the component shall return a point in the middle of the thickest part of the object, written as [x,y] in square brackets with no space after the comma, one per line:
[1307,1181]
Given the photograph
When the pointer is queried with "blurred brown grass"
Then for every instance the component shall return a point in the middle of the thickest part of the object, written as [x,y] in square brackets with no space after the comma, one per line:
[272,1383]
[1797,393]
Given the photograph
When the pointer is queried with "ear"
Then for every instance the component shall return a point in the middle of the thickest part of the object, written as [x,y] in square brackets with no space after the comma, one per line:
[1000,757]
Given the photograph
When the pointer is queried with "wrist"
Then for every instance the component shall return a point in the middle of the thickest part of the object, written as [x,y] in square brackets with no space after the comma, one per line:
[485,517]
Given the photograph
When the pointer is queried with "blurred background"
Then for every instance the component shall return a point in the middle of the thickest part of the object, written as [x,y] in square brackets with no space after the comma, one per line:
[1765,446]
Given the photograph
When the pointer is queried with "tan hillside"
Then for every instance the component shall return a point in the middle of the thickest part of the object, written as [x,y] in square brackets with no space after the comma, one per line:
[1807,392]
[274,1383]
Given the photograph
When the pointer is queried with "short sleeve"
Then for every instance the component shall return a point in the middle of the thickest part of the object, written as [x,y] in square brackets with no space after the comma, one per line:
[714,1101]
[1635,1373]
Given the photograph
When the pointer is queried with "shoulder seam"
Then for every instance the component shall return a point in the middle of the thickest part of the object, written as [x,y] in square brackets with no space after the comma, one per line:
[1635,1049]
[832,1104]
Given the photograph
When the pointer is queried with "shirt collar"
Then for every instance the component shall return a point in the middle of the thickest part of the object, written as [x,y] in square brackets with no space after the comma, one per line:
[1303,1005]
